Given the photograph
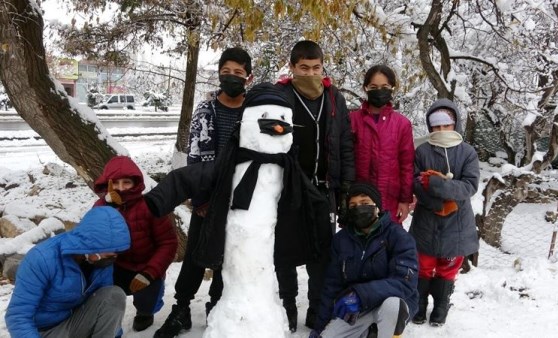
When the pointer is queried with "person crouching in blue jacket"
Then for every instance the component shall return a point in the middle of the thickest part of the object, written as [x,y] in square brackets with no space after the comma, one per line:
[64,285]
[371,282]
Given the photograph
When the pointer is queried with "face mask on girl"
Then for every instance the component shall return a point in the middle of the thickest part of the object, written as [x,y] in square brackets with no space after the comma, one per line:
[379,97]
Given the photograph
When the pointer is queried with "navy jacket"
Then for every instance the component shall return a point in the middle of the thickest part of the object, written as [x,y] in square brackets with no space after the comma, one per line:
[385,266]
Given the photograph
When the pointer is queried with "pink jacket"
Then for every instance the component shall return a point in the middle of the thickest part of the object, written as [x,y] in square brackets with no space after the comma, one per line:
[384,154]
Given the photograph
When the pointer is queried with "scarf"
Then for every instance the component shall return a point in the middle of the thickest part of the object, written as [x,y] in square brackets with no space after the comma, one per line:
[445,139]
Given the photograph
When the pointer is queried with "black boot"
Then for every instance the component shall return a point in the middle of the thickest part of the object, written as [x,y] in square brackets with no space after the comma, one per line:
[441,291]
[179,319]
[423,290]
[292,313]
[310,317]
[142,321]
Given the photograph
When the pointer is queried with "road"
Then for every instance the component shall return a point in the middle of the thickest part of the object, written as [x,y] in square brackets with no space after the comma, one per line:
[11,121]
[137,131]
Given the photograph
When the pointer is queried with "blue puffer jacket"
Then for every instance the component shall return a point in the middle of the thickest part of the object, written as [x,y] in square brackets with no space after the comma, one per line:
[386,266]
[49,282]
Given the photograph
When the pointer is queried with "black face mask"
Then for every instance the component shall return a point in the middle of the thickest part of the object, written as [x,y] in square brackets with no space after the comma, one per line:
[362,216]
[274,127]
[103,262]
[232,85]
[379,97]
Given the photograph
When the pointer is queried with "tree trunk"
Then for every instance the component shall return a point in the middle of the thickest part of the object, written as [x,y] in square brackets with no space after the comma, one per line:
[39,99]
[502,195]
[429,30]
[189,92]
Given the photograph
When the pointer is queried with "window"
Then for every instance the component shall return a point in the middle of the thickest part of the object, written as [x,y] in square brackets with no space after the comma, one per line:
[113,99]
[130,98]
[122,99]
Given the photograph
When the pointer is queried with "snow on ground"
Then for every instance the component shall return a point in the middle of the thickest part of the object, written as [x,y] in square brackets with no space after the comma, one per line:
[502,297]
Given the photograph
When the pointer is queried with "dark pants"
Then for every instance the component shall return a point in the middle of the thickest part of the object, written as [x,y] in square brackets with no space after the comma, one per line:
[288,279]
[288,282]
[146,301]
[191,275]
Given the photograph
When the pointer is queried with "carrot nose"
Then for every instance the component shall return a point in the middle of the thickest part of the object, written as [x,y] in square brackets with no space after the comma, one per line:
[278,128]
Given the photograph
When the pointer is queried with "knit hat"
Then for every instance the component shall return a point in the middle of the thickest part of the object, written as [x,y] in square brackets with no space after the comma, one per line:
[441,117]
[367,189]
[266,93]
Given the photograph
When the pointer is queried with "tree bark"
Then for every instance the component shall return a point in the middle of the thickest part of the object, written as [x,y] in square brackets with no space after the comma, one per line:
[426,31]
[39,99]
[183,132]
[502,195]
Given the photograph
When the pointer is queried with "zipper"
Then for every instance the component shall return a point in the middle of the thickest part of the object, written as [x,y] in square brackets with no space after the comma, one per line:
[317,121]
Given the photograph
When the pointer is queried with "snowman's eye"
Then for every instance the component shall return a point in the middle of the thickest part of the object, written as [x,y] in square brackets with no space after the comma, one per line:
[264,115]
[283,117]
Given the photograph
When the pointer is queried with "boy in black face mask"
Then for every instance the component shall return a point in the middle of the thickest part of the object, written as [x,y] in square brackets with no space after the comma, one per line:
[371,282]
[212,124]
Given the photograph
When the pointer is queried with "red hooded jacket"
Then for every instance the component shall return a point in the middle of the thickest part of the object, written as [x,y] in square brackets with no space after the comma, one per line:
[154,240]
[384,154]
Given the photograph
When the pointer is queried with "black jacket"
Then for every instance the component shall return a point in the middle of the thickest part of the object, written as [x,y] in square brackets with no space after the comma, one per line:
[302,233]
[337,143]
[192,181]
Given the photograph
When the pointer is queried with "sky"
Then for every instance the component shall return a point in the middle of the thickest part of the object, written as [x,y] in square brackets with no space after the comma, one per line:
[510,294]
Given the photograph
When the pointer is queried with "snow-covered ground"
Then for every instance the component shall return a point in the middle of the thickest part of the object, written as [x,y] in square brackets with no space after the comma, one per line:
[512,294]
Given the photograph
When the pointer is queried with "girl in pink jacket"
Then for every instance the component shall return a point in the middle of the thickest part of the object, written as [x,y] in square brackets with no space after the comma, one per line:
[383,143]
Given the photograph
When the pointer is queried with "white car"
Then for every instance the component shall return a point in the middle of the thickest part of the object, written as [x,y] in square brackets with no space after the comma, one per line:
[117,101]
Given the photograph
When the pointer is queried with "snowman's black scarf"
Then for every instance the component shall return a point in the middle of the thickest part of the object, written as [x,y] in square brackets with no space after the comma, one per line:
[244,191]
[303,230]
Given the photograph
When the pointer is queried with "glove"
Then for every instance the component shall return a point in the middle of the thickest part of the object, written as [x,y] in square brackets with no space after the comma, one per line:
[424,177]
[449,206]
[140,282]
[342,204]
[314,334]
[112,195]
[347,307]
[202,209]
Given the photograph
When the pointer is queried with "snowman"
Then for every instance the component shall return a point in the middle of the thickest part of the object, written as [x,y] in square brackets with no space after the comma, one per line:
[264,212]
[249,306]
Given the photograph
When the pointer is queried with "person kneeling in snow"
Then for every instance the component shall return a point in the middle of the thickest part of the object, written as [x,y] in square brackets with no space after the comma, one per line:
[371,281]
[141,270]
[64,285]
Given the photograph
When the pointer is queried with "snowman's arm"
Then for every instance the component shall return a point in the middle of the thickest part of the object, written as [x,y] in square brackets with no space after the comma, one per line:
[192,181]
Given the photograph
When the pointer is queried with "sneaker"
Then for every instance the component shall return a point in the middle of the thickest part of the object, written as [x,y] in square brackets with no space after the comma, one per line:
[142,322]
[179,319]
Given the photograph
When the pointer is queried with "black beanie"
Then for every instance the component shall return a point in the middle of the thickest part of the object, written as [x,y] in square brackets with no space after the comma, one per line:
[367,189]
[266,93]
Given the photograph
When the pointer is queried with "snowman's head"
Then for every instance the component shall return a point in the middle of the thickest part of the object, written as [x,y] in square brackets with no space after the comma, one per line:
[266,125]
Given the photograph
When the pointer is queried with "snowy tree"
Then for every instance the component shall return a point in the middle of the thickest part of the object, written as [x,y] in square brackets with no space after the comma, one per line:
[39,99]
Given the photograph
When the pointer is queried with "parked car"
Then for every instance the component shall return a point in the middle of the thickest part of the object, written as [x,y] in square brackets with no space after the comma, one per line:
[117,101]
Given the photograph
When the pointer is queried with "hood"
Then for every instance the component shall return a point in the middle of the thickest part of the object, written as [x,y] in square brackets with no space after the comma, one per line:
[120,167]
[445,103]
[102,229]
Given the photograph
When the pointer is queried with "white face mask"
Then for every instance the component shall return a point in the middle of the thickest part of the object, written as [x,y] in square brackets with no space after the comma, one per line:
[445,139]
